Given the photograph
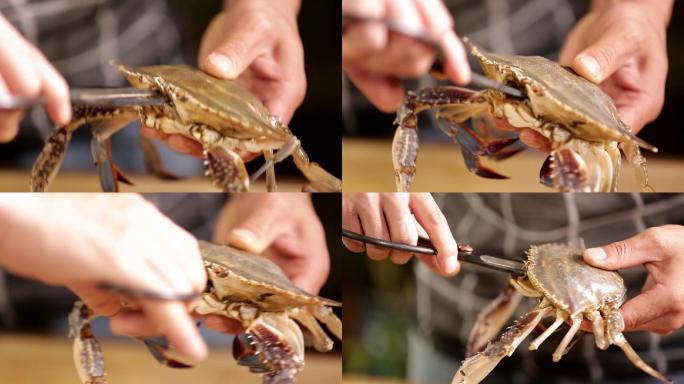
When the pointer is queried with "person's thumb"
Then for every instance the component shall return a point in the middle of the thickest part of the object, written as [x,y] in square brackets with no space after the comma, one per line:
[239,49]
[606,55]
[621,254]
[258,230]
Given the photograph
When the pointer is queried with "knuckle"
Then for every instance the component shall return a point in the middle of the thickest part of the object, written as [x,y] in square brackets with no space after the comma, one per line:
[657,238]
[435,218]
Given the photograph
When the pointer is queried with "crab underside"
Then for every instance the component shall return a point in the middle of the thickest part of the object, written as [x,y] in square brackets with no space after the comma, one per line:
[584,293]
[255,293]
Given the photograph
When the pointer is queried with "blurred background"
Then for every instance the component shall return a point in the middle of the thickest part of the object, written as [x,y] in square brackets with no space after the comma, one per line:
[80,38]
[524,27]
[33,316]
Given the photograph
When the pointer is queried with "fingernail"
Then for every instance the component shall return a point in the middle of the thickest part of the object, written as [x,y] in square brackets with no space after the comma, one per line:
[451,264]
[596,254]
[244,238]
[591,65]
[222,63]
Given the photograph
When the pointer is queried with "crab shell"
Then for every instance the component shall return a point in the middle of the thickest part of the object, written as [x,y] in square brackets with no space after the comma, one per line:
[222,105]
[566,287]
[255,291]
[556,93]
[583,289]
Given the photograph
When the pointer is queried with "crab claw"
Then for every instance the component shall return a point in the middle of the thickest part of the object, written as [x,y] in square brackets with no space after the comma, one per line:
[50,159]
[226,169]
[472,148]
[87,352]
[159,348]
[491,319]
[565,170]
[278,343]
[110,174]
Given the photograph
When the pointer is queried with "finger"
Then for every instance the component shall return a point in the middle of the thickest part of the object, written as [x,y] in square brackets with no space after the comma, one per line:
[386,93]
[350,221]
[101,302]
[133,324]
[173,321]
[373,224]
[184,145]
[404,57]
[400,222]
[57,91]
[432,219]
[646,307]
[439,22]
[608,53]
[260,227]
[360,39]
[17,66]
[223,324]
[242,45]
[627,253]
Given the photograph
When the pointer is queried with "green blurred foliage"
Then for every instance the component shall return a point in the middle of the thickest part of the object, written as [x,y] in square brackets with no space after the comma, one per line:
[377,298]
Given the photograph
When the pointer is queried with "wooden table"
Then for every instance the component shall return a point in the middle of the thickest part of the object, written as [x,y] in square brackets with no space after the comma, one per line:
[36,359]
[18,181]
[367,166]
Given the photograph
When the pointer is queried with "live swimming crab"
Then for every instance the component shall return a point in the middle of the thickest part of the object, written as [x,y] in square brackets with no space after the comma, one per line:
[247,288]
[577,117]
[568,289]
[218,114]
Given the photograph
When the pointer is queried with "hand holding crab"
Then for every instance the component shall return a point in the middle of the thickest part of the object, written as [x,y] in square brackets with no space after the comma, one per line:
[620,46]
[257,44]
[660,306]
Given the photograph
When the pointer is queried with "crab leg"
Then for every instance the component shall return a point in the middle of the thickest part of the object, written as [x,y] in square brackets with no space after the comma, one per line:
[598,327]
[638,162]
[405,143]
[325,315]
[560,319]
[473,147]
[270,172]
[50,159]
[476,368]
[492,318]
[321,341]
[562,347]
[101,148]
[87,352]
[153,161]
[614,326]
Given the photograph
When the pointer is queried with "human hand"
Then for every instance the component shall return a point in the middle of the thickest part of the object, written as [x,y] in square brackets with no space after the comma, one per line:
[375,59]
[83,240]
[282,227]
[24,71]
[390,216]
[256,43]
[660,306]
[622,47]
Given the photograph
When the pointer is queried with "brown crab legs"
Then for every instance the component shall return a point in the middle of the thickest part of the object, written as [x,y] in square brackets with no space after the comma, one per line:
[483,355]
[463,103]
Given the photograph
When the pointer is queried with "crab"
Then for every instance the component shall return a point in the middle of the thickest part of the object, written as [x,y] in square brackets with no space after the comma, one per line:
[568,289]
[218,114]
[579,119]
[243,287]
